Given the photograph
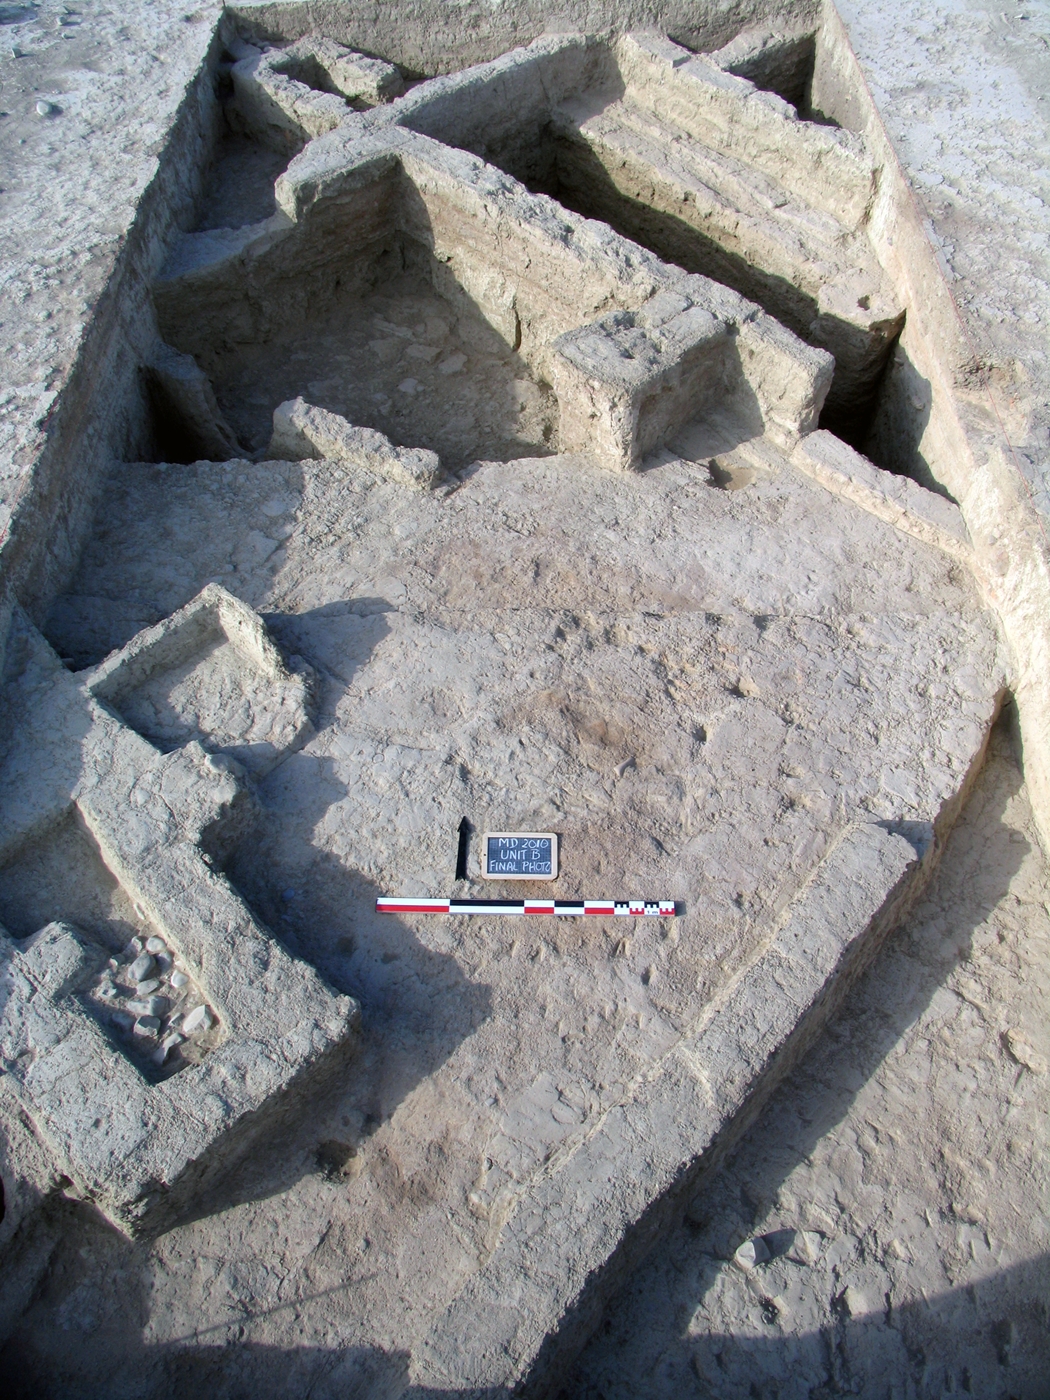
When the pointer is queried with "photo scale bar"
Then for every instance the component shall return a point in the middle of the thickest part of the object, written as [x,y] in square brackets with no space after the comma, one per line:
[560,908]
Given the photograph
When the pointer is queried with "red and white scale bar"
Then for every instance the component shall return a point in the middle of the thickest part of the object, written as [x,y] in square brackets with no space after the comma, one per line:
[563,908]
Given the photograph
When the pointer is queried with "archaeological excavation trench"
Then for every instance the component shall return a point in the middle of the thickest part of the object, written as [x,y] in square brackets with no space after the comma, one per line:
[552,442]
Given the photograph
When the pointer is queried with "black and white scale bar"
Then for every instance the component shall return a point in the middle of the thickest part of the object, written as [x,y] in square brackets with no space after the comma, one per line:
[564,908]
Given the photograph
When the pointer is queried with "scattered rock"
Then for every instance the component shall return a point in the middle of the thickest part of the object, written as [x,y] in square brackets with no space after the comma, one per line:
[179,979]
[199,1019]
[852,1302]
[147,1025]
[156,945]
[751,1254]
[805,1247]
[143,989]
[141,968]
[148,1006]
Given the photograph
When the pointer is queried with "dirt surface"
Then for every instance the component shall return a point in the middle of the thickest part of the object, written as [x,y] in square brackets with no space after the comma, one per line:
[902,1170]
[698,644]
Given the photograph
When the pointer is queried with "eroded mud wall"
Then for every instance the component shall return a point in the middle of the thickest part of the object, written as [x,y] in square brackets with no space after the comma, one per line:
[936,419]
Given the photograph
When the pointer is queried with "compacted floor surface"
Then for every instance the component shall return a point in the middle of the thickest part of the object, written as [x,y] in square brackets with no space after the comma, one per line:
[698,687]
[899,1182]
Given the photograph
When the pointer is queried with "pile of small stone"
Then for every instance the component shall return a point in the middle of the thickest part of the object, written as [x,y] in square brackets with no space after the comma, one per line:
[153,998]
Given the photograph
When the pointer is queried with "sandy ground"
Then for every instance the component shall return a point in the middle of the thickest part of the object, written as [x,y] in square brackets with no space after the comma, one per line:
[908,1154]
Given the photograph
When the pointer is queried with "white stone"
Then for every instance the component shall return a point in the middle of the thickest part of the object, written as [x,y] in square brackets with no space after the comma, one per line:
[199,1019]
[156,945]
[751,1254]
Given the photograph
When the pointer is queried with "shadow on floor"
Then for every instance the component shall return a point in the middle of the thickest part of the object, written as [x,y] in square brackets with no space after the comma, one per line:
[867,1356]
[86,1332]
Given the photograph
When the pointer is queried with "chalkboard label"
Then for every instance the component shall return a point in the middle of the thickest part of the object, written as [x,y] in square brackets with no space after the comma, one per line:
[520,855]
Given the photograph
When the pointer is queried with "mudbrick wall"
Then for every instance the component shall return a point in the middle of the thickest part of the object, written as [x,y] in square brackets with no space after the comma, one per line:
[422,413]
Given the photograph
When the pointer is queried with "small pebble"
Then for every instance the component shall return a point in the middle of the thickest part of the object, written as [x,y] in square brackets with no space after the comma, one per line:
[114,964]
[156,945]
[143,989]
[179,979]
[199,1019]
[147,1025]
[46,109]
[141,968]
[107,990]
